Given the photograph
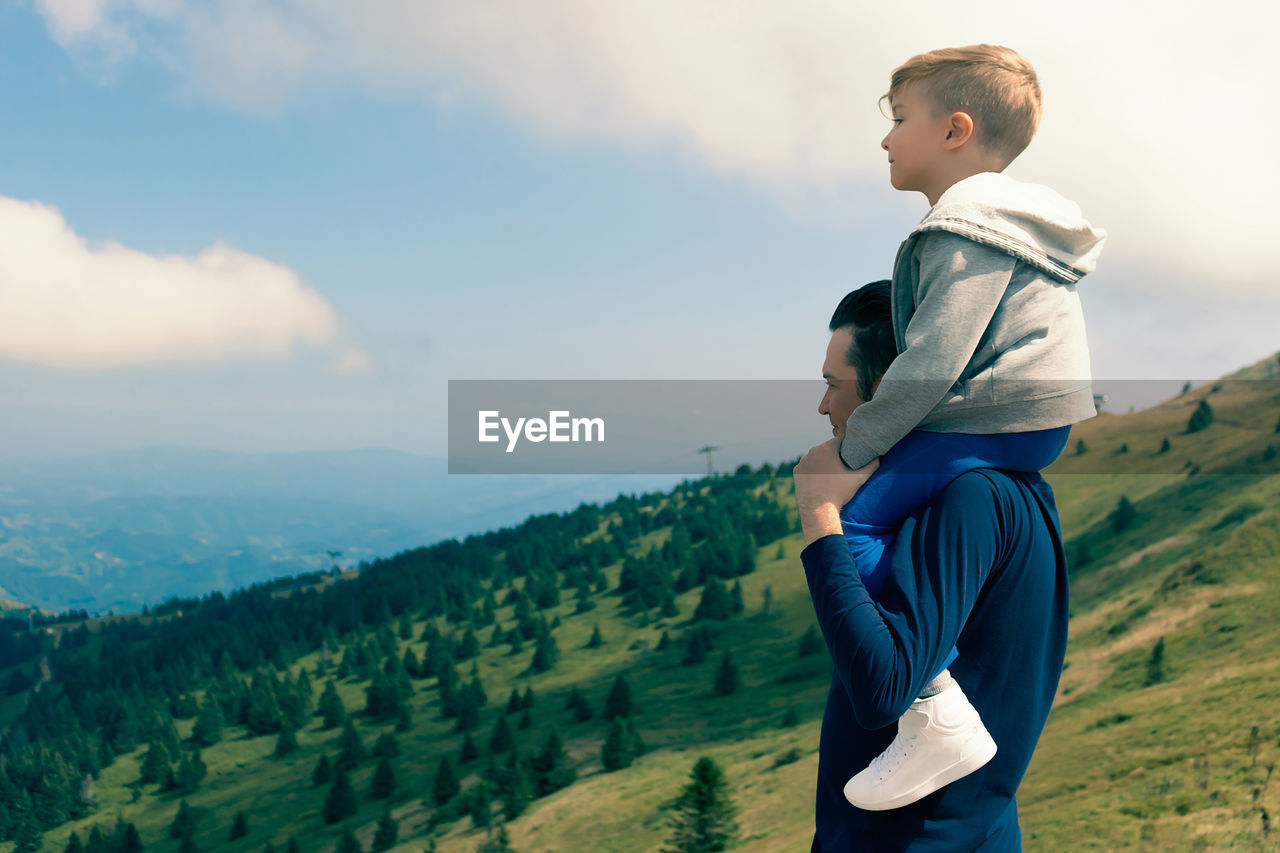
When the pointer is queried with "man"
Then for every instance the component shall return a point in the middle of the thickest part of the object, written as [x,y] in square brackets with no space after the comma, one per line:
[981,568]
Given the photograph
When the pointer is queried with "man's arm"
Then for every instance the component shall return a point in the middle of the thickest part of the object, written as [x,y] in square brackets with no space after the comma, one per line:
[885,652]
[960,286]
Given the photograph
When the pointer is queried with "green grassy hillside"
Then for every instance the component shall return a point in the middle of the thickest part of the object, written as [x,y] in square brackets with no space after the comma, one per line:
[1164,736]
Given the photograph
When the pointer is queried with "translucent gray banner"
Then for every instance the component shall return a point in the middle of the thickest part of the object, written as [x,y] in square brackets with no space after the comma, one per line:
[694,426]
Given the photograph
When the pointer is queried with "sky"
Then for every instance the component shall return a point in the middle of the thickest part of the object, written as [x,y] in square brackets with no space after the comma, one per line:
[286,225]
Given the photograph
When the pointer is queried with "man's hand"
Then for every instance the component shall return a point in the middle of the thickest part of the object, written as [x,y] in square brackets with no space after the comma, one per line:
[823,485]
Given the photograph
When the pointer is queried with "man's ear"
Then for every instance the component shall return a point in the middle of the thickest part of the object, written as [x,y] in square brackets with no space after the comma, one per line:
[959,130]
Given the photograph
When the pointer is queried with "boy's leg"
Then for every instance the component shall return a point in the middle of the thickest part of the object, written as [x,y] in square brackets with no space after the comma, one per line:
[924,463]
[940,739]
[916,469]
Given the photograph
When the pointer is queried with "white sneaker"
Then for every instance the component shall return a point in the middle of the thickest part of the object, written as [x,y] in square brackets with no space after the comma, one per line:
[940,739]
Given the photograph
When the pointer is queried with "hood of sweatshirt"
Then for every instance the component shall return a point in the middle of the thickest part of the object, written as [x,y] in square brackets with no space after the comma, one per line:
[1029,221]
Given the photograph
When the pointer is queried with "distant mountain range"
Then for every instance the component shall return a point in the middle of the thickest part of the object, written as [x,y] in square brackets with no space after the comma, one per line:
[115,531]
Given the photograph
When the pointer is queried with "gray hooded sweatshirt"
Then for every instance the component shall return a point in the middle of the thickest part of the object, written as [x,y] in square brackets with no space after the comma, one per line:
[987,319]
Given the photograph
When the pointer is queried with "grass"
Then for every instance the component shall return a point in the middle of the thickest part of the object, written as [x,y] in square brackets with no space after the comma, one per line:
[1122,764]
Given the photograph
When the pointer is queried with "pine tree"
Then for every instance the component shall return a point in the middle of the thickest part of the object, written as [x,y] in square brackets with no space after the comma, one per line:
[155,764]
[1155,664]
[304,688]
[264,710]
[208,728]
[513,701]
[581,708]
[384,781]
[664,642]
[480,805]
[239,826]
[596,640]
[446,785]
[331,707]
[323,773]
[411,664]
[727,679]
[286,742]
[501,740]
[735,598]
[347,842]
[387,746]
[496,842]
[545,653]
[127,838]
[73,845]
[519,791]
[526,720]
[621,746]
[293,845]
[528,699]
[697,645]
[550,766]
[388,830]
[382,699]
[467,710]
[468,753]
[1124,515]
[404,721]
[703,819]
[351,748]
[468,647]
[184,823]
[716,603]
[810,643]
[1201,418]
[341,799]
[26,830]
[618,702]
[191,771]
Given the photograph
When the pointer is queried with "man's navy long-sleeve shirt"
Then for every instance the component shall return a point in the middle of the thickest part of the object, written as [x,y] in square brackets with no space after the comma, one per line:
[981,567]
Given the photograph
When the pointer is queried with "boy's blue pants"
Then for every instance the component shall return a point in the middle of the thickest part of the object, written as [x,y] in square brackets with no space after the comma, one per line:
[917,468]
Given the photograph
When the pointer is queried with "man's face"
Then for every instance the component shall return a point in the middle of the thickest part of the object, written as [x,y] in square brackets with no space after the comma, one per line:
[914,143]
[842,395]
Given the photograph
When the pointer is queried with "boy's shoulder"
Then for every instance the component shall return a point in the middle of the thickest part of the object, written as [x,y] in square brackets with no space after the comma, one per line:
[1031,222]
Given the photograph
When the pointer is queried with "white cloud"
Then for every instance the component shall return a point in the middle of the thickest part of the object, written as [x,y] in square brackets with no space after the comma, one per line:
[1158,123]
[66,304]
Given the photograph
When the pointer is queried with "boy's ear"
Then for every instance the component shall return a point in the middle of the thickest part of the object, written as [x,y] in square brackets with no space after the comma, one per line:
[959,130]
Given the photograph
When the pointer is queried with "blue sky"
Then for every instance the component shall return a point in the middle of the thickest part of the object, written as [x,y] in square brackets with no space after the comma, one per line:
[394,200]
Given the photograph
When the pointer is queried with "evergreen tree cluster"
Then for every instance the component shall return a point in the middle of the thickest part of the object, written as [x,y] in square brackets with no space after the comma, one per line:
[229,660]
[123,838]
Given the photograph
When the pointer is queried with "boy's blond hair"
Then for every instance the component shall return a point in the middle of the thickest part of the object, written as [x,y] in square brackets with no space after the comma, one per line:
[993,84]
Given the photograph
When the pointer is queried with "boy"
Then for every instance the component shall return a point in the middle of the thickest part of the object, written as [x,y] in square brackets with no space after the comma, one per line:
[992,365]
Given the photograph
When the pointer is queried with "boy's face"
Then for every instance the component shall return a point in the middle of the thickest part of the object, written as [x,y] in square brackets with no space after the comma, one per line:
[915,142]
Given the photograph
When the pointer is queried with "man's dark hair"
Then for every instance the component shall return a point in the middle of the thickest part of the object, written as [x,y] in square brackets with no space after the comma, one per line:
[868,314]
